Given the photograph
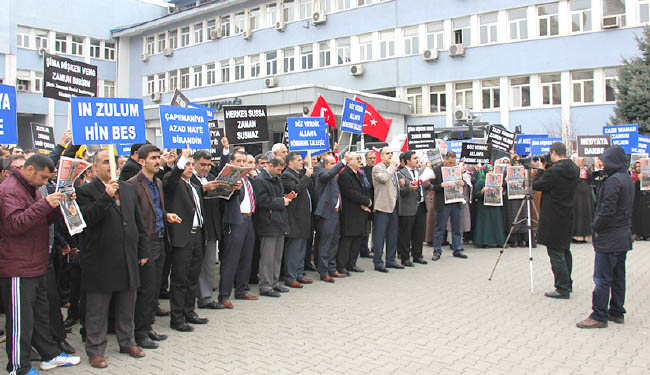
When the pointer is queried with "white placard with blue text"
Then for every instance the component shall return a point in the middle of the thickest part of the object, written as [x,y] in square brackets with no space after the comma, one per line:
[353,114]
[8,133]
[626,136]
[184,126]
[104,121]
[307,134]
[540,146]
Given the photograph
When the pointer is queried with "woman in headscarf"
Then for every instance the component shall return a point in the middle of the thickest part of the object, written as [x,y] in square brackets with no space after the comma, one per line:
[583,203]
[641,210]
[489,221]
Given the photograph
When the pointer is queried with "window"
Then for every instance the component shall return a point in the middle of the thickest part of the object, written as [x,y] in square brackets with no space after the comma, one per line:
[343,51]
[365,2]
[77,45]
[24,79]
[38,82]
[198,33]
[614,8]
[271,63]
[611,76]
[414,96]
[60,43]
[288,60]
[288,11]
[464,95]
[551,89]
[307,56]
[254,19]
[22,37]
[198,76]
[520,92]
[173,39]
[491,93]
[240,23]
[461,29]
[438,98]
[583,86]
[185,78]
[225,26]
[239,69]
[173,80]
[149,46]
[411,41]
[518,24]
[211,26]
[162,79]
[109,89]
[325,5]
[95,48]
[271,14]
[151,84]
[211,74]
[387,44]
[225,71]
[644,11]
[343,4]
[435,35]
[324,54]
[185,36]
[109,51]
[365,47]
[547,18]
[305,9]
[580,15]
[41,39]
[488,28]
[162,41]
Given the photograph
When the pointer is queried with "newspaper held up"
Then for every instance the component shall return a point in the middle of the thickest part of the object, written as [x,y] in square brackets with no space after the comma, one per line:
[516,181]
[229,176]
[493,194]
[69,170]
[453,193]
[644,176]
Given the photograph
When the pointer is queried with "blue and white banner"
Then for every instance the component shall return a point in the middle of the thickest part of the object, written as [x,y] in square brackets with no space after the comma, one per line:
[307,134]
[626,136]
[8,133]
[104,121]
[522,147]
[644,142]
[184,126]
[208,111]
[457,146]
[540,146]
[353,114]
[123,149]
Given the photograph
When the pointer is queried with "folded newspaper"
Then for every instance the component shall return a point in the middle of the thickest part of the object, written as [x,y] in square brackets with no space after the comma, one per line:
[454,192]
[229,176]
[493,195]
[69,170]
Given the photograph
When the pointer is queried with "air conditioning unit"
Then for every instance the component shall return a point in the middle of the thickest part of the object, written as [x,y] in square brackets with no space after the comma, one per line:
[168,52]
[271,82]
[21,87]
[356,70]
[155,97]
[279,25]
[456,50]
[430,55]
[247,34]
[319,17]
[42,51]
[145,57]
[461,113]
[172,10]
[612,22]
[214,34]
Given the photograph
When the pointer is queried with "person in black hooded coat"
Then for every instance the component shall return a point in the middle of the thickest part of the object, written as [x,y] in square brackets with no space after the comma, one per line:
[612,240]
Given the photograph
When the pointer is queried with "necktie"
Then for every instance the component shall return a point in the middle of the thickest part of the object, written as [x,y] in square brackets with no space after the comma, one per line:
[250,194]
[196,204]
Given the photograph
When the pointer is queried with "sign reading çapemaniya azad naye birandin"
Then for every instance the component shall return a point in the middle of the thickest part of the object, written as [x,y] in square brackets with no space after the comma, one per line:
[64,78]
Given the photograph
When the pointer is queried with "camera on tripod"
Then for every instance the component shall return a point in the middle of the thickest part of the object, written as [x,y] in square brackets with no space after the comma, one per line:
[544,159]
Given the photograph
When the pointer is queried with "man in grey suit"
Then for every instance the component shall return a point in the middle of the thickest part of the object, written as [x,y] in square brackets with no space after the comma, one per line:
[385,181]
[412,211]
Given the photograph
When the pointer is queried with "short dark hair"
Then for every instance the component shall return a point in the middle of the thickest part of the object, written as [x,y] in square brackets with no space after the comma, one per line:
[259,157]
[145,150]
[559,148]
[15,147]
[6,163]
[136,147]
[202,154]
[234,154]
[40,162]
[290,156]
[277,162]
[30,151]
[406,156]
[450,154]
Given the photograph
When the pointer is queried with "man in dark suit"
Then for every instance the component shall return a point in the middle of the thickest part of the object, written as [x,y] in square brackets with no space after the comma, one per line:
[295,179]
[412,212]
[355,205]
[188,242]
[114,248]
[152,206]
[131,167]
[366,172]
[327,218]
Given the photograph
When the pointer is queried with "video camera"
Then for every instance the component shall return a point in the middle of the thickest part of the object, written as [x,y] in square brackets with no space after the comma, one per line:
[544,159]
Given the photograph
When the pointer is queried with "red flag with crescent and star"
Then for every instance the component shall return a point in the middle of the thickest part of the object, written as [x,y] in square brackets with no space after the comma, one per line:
[374,124]
[322,109]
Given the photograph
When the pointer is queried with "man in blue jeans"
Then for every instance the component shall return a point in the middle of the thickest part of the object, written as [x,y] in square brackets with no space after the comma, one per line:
[612,240]
[445,211]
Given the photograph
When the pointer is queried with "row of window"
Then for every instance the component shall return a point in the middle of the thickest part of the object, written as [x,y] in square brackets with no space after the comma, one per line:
[32,81]
[66,44]
[582,86]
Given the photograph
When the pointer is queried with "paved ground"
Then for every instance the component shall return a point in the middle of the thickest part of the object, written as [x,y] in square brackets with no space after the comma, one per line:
[442,318]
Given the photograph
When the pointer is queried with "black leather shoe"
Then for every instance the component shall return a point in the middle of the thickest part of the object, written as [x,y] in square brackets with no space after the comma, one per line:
[270,293]
[183,327]
[155,336]
[66,347]
[146,343]
[196,320]
[557,295]
[344,271]
[281,289]
[420,261]
[357,269]
[395,265]
[69,322]
[381,269]
[407,263]
[616,319]
[460,254]
[435,257]
[214,305]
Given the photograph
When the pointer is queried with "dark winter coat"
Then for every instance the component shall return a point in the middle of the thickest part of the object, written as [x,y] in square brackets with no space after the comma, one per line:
[613,217]
[298,210]
[129,169]
[557,184]
[270,217]
[353,196]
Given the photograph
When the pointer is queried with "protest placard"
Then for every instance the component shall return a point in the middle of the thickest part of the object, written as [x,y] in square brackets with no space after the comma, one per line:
[184,126]
[493,193]
[42,137]
[64,78]
[353,114]
[103,121]
[540,146]
[453,192]
[8,133]
[522,147]
[69,170]
[474,153]
[501,139]
[307,134]
[435,157]
[516,182]
[626,136]
[592,145]
[644,177]
[420,137]
[179,100]
[215,138]
[246,124]
[643,142]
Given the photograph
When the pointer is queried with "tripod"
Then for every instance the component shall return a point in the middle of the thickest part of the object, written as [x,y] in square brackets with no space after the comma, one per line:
[529,227]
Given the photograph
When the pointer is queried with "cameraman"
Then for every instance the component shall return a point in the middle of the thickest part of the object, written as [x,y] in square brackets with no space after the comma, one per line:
[557,179]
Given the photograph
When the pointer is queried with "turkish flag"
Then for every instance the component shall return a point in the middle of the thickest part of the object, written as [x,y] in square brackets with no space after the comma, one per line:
[322,109]
[405,146]
[374,124]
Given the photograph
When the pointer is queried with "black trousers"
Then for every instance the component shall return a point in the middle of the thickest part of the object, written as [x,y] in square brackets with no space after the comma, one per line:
[54,301]
[186,266]
[235,264]
[255,262]
[147,299]
[410,235]
[74,312]
[27,322]
[348,253]
[561,264]
[167,267]
[310,245]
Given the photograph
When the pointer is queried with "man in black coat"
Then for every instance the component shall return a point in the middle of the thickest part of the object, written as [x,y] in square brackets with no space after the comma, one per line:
[131,167]
[366,172]
[612,240]
[114,248]
[295,179]
[355,206]
[557,184]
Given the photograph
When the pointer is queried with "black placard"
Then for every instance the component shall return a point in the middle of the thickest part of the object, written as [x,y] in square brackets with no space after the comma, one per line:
[180,100]
[592,145]
[215,139]
[63,78]
[285,135]
[421,137]
[246,124]
[42,137]
[501,139]
[474,153]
